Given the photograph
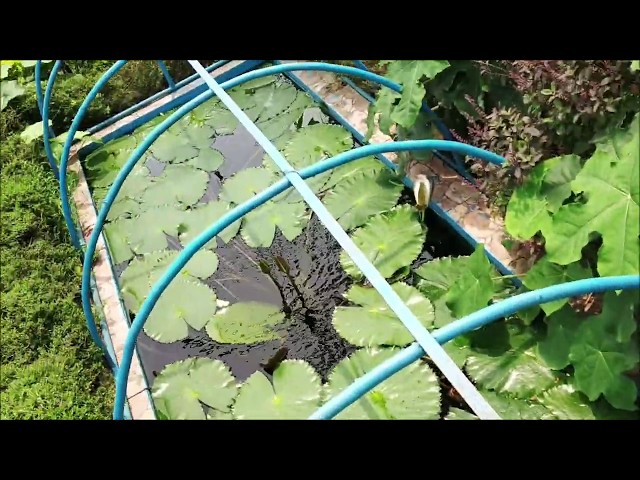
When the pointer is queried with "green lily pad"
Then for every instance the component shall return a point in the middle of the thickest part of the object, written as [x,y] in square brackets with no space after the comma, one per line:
[178,185]
[197,220]
[458,414]
[138,278]
[172,148]
[411,394]
[259,225]
[357,198]
[181,389]
[245,323]
[148,231]
[184,303]
[373,323]
[245,184]
[294,395]
[208,160]
[390,241]
[274,99]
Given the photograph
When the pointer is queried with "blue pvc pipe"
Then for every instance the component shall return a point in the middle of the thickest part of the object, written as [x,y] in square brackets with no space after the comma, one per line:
[64,195]
[45,121]
[153,98]
[466,324]
[167,75]
[443,361]
[39,94]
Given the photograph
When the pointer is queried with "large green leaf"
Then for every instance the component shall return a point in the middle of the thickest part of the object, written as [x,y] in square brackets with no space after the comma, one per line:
[364,194]
[171,147]
[458,414]
[146,232]
[273,100]
[33,132]
[566,403]
[294,395]
[459,286]
[198,219]
[276,127]
[311,144]
[259,225]
[184,303]
[411,394]
[10,89]
[245,184]
[373,323]
[610,180]
[245,323]
[390,241]
[545,273]
[410,74]
[208,160]
[604,349]
[182,387]
[137,279]
[519,371]
[545,189]
[601,348]
[561,331]
[516,409]
[179,185]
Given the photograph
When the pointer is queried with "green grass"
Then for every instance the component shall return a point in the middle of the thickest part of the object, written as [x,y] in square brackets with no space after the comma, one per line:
[49,367]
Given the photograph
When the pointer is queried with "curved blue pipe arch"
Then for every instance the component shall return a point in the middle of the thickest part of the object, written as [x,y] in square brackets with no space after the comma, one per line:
[365,383]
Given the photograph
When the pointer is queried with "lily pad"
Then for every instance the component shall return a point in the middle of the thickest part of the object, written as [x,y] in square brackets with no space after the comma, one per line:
[294,395]
[373,323]
[314,142]
[411,394]
[184,303]
[208,159]
[178,185]
[148,231]
[362,195]
[245,184]
[277,126]
[259,225]
[274,99]
[458,414]
[181,389]
[245,323]
[390,241]
[137,279]
[171,147]
[197,220]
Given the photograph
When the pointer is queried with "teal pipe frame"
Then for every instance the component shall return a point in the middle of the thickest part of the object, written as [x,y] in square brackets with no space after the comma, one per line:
[64,159]
[45,122]
[466,324]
